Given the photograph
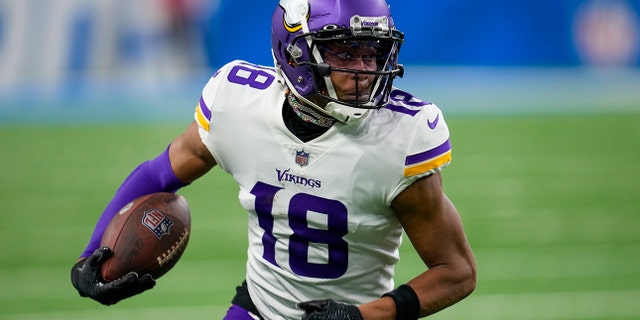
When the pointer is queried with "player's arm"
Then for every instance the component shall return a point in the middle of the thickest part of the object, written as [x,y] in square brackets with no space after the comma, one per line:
[189,157]
[435,229]
[185,160]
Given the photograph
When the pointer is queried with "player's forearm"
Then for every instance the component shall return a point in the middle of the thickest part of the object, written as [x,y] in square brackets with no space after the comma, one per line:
[381,309]
[444,285]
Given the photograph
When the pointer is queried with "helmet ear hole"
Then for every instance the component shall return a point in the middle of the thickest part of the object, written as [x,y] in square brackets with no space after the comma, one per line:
[288,58]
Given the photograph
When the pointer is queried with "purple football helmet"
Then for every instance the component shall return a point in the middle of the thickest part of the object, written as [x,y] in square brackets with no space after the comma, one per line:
[304,30]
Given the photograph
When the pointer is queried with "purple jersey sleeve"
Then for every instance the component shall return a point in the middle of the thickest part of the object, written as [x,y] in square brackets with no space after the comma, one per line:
[149,177]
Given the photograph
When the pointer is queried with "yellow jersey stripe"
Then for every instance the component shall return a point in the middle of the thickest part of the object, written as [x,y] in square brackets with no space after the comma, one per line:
[428,165]
[201,119]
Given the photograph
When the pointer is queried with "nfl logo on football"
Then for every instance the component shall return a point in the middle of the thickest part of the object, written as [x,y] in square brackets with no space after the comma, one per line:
[157,222]
[302,158]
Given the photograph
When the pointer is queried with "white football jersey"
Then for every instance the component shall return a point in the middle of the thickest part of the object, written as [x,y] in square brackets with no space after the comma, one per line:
[319,220]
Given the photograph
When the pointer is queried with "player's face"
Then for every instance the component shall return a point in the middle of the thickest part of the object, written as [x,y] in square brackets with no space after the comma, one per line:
[353,55]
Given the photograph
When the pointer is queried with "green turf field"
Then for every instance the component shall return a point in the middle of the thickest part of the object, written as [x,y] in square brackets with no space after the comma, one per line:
[550,204]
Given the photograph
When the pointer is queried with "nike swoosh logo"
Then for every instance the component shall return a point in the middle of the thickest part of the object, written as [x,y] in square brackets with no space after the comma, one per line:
[434,123]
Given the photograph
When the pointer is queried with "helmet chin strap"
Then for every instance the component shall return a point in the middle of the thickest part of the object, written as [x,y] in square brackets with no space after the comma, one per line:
[345,114]
[340,112]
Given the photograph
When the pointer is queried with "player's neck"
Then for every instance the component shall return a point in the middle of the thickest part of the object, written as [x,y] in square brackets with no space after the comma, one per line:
[308,114]
[303,121]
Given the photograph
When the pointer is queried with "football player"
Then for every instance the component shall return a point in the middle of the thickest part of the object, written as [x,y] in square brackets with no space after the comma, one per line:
[333,164]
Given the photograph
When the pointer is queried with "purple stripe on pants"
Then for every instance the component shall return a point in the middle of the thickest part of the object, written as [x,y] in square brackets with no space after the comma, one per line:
[239,313]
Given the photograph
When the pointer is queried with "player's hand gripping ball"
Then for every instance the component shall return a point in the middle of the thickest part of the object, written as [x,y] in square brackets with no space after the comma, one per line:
[85,277]
[147,236]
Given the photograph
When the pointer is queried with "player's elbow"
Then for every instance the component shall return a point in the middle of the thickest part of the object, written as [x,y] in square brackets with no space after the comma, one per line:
[463,279]
[468,277]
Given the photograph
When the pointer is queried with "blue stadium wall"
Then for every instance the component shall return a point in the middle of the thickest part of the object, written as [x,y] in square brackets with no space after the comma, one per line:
[463,32]
[109,59]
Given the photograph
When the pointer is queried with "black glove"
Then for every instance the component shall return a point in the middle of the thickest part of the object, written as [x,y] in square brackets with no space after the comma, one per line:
[86,278]
[329,310]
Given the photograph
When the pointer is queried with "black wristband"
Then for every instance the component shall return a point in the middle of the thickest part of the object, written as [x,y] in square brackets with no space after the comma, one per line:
[407,302]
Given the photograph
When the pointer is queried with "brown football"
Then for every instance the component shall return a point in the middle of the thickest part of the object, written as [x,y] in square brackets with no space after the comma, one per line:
[148,235]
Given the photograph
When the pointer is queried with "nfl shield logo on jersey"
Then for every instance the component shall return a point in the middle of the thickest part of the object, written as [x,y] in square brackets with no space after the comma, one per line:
[302,158]
[157,222]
